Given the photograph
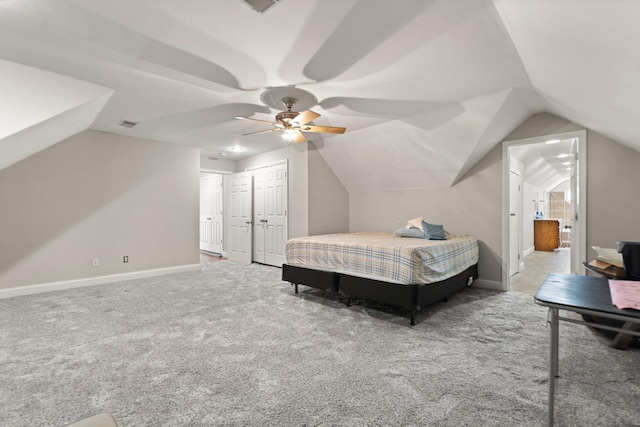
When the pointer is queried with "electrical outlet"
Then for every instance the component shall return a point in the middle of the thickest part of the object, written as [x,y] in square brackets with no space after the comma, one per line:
[95,262]
[125,258]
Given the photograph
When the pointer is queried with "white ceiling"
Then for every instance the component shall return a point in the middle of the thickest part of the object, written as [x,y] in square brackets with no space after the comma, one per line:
[546,166]
[425,88]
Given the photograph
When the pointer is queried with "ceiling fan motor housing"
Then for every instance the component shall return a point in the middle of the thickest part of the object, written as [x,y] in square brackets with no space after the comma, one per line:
[285,117]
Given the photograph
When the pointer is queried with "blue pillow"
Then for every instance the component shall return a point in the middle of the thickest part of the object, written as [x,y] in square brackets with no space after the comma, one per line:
[409,232]
[433,231]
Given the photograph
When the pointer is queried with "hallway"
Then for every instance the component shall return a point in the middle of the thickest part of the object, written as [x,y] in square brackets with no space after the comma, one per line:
[536,268]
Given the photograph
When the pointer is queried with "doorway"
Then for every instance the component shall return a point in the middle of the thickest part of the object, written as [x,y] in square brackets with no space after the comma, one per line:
[547,163]
[211,213]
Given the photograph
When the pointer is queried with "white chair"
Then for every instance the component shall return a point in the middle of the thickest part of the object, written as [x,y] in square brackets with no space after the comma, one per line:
[99,420]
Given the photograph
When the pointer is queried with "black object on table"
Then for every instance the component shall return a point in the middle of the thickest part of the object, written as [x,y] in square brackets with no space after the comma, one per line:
[619,342]
[583,295]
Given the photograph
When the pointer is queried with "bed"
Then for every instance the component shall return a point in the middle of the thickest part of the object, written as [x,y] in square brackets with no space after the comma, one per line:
[401,271]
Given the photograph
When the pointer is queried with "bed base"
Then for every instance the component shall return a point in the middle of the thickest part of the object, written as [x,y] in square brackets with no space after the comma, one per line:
[412,297]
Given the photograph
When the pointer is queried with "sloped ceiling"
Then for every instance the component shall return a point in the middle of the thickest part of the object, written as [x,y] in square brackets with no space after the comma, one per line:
[425,88]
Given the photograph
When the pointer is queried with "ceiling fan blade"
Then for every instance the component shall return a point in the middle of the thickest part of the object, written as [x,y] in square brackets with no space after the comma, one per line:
[325,129]
[262,131]
[299,137]
[256,120]
[305,117]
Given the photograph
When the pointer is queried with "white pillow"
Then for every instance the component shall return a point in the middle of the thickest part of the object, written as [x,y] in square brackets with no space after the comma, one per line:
[416,223]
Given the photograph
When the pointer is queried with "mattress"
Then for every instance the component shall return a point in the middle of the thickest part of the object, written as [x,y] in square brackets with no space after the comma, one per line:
[385,256]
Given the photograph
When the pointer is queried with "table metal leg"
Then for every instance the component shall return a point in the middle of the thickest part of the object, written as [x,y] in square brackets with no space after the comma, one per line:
[553,361]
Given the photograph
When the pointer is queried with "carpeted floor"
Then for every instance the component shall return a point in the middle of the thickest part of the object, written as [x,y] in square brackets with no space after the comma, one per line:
[233,345]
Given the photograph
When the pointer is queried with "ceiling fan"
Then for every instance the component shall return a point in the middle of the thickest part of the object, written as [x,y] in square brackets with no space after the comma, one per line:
[293,123]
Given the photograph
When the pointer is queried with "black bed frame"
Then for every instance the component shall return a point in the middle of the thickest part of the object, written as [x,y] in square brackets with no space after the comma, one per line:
[412,297]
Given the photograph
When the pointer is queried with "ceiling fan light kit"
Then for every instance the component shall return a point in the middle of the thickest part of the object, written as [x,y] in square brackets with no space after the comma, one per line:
[293,123]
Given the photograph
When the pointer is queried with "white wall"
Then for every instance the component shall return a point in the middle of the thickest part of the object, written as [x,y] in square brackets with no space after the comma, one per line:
[613,201]
[328,199]
[98,195]
[218,165]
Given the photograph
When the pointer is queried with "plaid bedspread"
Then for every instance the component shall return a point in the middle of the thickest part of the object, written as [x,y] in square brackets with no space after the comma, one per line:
[385,256]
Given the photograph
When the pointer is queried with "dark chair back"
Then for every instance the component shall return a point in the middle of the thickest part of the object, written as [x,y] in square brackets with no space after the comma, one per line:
[631,259]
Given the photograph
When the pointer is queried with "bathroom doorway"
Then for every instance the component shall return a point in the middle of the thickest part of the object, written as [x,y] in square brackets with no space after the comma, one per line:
[551,206]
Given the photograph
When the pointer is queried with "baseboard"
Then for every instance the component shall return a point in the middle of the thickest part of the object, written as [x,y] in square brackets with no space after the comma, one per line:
[529,251]
[488,284]
[90,281]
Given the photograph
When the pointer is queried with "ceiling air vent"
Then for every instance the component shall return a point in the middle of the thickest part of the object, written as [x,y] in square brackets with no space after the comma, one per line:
[127,124]
[260,6]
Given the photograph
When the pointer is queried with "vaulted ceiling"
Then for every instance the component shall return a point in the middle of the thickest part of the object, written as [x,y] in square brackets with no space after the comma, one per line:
[425,88]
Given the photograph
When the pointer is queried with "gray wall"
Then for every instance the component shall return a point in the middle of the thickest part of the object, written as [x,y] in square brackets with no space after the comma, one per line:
[328,199]
[98,195]
[472,206]
[613,200]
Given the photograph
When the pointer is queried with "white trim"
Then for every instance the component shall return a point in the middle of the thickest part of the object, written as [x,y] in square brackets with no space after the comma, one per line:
[582,208]
[529,251]
[90,281]
[488,284]
[277,162]
[216,171]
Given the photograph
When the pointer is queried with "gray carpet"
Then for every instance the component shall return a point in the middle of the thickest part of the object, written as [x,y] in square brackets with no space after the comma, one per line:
[233,345]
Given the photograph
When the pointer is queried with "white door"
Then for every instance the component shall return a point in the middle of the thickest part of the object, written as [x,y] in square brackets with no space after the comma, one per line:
[514,218]
[239,229]
[259,229]
[211,213]
[270,214]
[275,215]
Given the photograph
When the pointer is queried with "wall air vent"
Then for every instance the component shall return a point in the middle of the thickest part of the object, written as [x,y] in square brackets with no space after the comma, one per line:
[127,124]
[260,6]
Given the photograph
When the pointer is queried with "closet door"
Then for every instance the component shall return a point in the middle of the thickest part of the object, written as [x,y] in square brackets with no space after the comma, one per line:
[270,214]
[258,216]
[275,215]
[239,229]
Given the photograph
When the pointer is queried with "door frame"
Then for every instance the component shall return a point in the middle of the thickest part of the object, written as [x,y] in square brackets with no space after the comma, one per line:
[579,251]
[208,176]
[224,201]
[517,180]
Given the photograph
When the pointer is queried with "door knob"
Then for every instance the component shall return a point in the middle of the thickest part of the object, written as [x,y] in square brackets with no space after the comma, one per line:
[208,219]
[512,214]
[264,220]
[249,222]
